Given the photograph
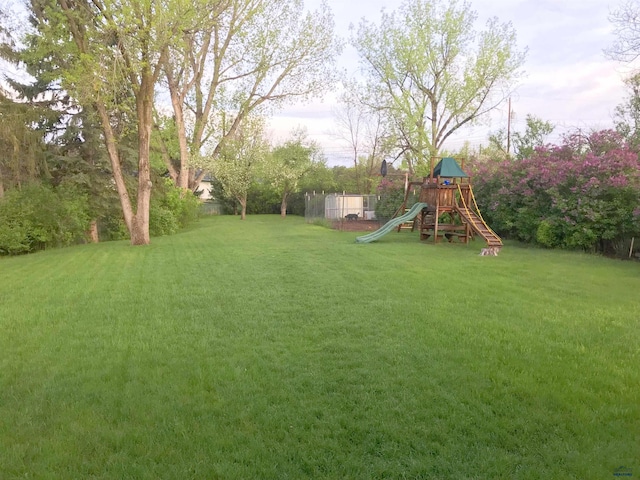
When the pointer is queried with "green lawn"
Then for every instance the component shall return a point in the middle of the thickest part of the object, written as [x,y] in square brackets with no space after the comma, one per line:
[273,349]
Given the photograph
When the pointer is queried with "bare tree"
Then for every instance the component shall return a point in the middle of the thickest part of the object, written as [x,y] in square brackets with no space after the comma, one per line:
[366,131]
[626,20]
[349,118]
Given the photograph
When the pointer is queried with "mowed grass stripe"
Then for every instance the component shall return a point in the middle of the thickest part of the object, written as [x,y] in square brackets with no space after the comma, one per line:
[275,349]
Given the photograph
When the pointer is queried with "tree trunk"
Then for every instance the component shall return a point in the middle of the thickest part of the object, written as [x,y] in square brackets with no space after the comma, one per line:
[356,169]
[140,230]
[114,158]
[283,205]
[177,102]
[144,107]
[194,181]
[243,205]
[138,223]
[93,232]
[167,161]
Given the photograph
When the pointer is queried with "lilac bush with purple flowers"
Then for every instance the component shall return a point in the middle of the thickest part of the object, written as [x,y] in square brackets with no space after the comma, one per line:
[584,194]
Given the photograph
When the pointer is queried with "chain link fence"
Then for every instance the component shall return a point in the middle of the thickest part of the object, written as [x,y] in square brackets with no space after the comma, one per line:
[339,207]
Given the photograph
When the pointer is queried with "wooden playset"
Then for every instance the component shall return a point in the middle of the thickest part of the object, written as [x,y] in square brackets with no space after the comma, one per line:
[451,210]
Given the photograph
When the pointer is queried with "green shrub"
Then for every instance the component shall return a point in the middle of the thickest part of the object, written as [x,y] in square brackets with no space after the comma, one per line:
[171,208]
[37,216]
[113,227]
[391,197]
[74,219]
[14,235]
[162,221]
[183,204]
[546,235]
[262,198]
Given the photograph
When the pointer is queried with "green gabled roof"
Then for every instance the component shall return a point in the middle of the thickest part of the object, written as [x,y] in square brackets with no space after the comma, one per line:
[448,167]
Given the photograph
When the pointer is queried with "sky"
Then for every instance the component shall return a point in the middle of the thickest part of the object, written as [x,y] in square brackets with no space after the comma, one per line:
[568,80]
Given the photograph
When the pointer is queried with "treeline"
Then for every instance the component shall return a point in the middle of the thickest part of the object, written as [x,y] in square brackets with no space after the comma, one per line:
[264,198]
[41,215]
[56,184]
[143,92]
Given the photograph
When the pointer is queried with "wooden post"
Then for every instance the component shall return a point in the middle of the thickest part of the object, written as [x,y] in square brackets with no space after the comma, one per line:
[631,247]
[435,227]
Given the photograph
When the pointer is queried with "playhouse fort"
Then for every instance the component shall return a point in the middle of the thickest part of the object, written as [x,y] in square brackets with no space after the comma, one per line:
[446,209]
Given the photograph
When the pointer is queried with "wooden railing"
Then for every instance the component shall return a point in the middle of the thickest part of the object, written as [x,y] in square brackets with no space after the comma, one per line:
[442,195]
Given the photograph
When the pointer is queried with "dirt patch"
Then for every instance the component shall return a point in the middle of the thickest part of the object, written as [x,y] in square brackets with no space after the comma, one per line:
[357,225]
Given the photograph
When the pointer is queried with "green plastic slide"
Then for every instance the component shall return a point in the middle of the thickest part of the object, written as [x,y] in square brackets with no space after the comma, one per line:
[391,224]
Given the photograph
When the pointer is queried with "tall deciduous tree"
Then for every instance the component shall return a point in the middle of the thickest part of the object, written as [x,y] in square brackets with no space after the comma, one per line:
[497,149]
[242,56]
[534,136]
[109,55]
[289,163]
[433,73]
[524,143]
[240,161]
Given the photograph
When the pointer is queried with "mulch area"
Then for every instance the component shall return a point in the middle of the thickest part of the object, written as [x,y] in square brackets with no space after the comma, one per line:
[357,225]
